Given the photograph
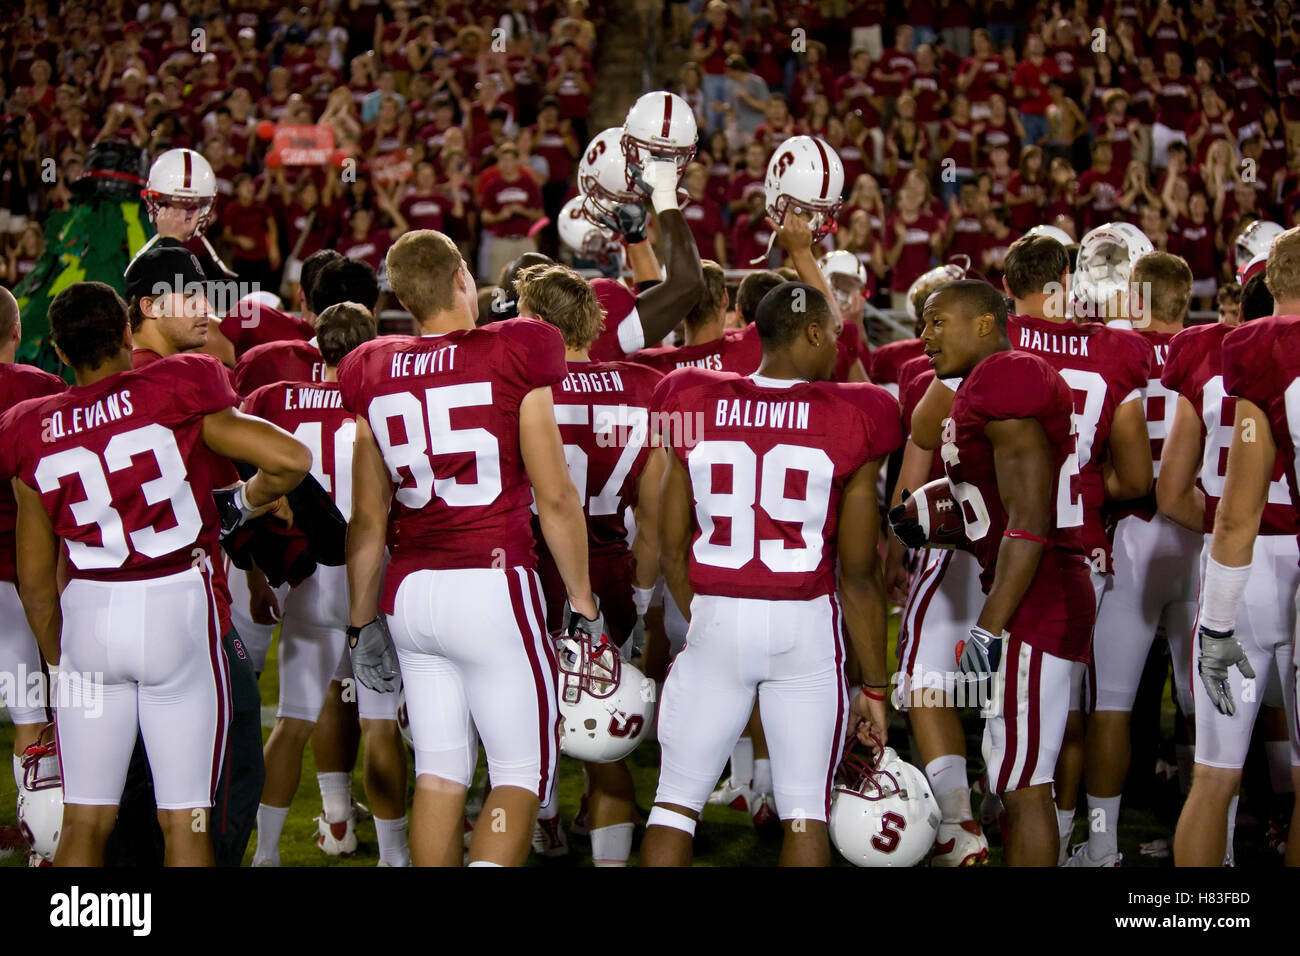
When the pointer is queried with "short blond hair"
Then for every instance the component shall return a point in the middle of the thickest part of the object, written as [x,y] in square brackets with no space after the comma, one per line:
[1166,280]
[1282,274]
[422,267]
[560,297]
[712,298]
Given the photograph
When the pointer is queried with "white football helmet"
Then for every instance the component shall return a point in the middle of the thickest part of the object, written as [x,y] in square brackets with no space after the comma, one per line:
[40,798]
[660,125]
[1256,240]
[847,277]
[1106,258]
[805,173]
[927,282]
[586,239]
[607,704]
[181,177]
[1054,232]
[882,814]
[602,174]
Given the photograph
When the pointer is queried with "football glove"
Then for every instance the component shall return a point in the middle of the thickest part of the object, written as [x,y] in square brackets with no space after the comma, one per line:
[658,181]
[628,220]
[907,528]
[232,509]
[981,655]
[1219,651]
[373,659]
[593,628]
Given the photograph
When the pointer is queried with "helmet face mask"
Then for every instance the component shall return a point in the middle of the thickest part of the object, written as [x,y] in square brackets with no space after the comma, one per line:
[1255,240]
[602,700]
[1100,283]
[587,240]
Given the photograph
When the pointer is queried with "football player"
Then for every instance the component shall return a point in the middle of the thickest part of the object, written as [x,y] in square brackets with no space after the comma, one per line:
[1106,369]
[708,343]
[603,412]
[452,428]
[1154,586]
[115,468]
[312,629]
[1251,557]
[1008,449]
[20,658]
[254,321]
[781,447]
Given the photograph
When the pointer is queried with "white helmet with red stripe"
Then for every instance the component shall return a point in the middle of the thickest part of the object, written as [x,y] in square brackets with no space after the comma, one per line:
[805,173]
[602,175]
[181,177]
[607,704]
[660,125]
[1255,240]
[586,239]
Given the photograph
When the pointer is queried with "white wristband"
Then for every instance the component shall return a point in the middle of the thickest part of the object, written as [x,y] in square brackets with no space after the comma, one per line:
[1220,594]
[642,597]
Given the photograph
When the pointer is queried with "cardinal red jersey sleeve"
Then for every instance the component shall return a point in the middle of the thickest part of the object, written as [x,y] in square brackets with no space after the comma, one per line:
[352,374]
[882,418]
[1015,384]
[1249,362]
[623,334]
[1184,354]
[202,383]
[534,351]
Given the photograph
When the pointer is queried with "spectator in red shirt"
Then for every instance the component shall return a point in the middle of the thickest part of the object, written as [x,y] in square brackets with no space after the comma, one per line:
[778,125]
[304,222]
[1175,104]
[1118,128]
[964,232]
[982,74]
[570,81]
[248,227]
[811,79]
[913,238]
[998,237]
[906,143]
[511,203]
[704,217]
[366,241]
[424,207]
[711,47]
[855,91]
[554,140]
[748,179]
[751,235]
[896,65]
[1099,187]
[1030,89]
[929,86]
[957,142]
[248,64]
[1198,241]
[1002,128]
[1027,191]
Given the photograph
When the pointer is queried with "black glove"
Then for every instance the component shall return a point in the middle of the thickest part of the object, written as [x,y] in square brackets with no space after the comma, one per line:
[906,527]
[231,508]
[628,220]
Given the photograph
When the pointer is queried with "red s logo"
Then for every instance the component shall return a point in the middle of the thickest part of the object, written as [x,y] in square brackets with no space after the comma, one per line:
[594,153]
[627,728]
[785,162]
[891,826]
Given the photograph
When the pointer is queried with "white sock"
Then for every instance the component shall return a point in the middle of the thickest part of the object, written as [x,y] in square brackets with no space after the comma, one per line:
[270,823]
[483,863]
[1103,826]
[947,776]
[1186,757]
[612,845]
[335,795]
[550,811]
[1279,764]
[18,772]
[1064,823]
[1229,856]
[392,841]
[762,776]
[742,762]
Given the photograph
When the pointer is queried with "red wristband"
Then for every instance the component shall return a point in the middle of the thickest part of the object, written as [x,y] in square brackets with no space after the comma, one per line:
[1017,533]
[870,696]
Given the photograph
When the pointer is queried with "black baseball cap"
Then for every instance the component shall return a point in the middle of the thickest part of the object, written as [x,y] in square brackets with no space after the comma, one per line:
[170,267]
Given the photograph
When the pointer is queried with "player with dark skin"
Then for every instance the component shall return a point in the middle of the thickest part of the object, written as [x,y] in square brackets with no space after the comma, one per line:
[810,356]
[957,338]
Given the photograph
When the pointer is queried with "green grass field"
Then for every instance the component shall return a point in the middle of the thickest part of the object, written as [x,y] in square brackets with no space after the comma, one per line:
[725,837]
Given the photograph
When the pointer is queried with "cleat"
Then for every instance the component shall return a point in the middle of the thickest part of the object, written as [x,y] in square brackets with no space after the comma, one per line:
[549,839]
[764,814]
[337,839]
[732,796]
[1079,857]
[960,844]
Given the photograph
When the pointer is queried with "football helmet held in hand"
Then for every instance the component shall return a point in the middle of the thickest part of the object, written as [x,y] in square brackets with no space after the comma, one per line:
[882,811]
[660,125]
[607,704]
[602,175]
[184,178]
[805,173]
[1255,240]
[584,238]
[40,798]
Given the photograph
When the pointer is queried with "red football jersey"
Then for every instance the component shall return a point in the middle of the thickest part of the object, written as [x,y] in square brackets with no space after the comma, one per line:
[1160,404]
[119,468]
[281,361]
[623,334]
[888,359]
[739,351]
[1056,613]
[444,410]
[251,323]
[1104,367]
[17,384]
[768,461]
[914,378]
[1261,365]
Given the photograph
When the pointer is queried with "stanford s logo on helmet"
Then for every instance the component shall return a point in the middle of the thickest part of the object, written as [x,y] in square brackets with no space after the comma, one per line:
[602,175]
[882,813]
[181,177]
[805,173]
[659,125]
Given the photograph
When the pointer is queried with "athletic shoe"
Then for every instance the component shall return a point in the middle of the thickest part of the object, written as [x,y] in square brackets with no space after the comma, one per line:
[337,839]
[960,844]
[730,795]
[764,812]
[1079,856]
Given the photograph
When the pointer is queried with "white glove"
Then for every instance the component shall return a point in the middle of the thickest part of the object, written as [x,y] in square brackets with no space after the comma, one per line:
[661,176]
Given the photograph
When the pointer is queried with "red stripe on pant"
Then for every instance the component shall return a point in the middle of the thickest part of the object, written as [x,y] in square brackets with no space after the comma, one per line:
[937,572]
[1034,706]
[529,638]
[217,655]
[1010,713]
[842,690]
[549,646]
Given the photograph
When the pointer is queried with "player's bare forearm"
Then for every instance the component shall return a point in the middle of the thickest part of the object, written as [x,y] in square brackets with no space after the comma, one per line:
[675,529]
[1245,487]
[862,592]
[282,461]
[662,307]
[645,546]
[559,508]
[37,549]
[1177,495]
[1022,459]
[927,418]
[1128,474]
[804,263]
[367,527]
[913,472]
[644,263]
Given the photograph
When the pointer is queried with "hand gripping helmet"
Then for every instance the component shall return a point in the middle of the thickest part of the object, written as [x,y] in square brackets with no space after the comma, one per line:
[659,125]
[927,282]
[602,175]
[1255,240]
[882,814]
[181,177]
[805,173]
[40,798]
[1106,258]
[586,239]
[606,703]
